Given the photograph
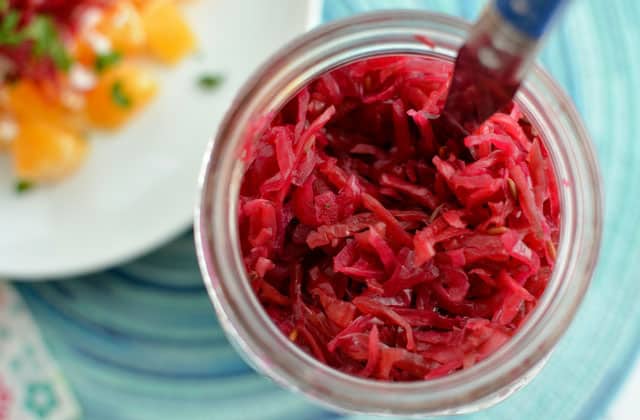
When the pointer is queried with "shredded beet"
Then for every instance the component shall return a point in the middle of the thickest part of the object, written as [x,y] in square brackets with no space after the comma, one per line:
[383,250]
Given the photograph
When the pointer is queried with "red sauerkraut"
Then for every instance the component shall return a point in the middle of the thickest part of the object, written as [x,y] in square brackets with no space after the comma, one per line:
[383,249]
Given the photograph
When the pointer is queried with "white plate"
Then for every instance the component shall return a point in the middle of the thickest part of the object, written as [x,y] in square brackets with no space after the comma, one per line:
[137,188]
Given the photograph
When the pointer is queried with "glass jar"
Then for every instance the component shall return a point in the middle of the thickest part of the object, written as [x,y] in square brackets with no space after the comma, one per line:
[241,314]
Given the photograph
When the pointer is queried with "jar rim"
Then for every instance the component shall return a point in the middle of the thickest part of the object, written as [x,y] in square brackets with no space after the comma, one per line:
[243,317]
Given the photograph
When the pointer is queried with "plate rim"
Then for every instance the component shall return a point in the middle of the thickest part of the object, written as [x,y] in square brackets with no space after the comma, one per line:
[151,242]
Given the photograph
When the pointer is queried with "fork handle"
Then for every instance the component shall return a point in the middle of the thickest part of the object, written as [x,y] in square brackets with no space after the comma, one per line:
[530,17]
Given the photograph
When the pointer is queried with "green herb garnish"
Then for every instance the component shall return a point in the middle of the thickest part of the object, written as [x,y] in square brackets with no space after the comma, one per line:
[22,186]
[118,95]
[209,81]
[9,34]
[104,61]
[41,31]
[47,41]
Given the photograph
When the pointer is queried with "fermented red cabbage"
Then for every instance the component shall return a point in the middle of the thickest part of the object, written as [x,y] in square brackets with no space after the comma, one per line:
[387,251]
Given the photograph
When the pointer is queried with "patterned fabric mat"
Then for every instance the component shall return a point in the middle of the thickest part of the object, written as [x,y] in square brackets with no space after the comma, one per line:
[141,341]
[31,385]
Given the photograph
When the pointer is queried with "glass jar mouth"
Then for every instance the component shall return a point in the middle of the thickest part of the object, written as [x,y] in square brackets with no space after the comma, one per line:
[242,316]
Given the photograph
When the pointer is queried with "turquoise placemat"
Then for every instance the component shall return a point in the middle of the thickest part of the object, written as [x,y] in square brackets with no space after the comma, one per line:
[141,341]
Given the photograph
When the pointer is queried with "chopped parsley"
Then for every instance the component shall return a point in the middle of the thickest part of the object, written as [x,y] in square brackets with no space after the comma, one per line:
[41,31]
[9,34]
[104,61]
[209,81]
[22,186]
[118,95]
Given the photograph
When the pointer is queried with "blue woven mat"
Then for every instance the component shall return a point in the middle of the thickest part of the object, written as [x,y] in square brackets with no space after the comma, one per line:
[141,341]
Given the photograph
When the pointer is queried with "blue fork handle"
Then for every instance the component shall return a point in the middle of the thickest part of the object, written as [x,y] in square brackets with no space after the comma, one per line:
[529,16]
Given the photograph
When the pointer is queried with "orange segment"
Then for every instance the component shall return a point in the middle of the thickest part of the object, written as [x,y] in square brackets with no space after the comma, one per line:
[119,94]
[143,3]
[123,26]
[44,151]
[26,100]
[169,37]
[140,3]
[83,53]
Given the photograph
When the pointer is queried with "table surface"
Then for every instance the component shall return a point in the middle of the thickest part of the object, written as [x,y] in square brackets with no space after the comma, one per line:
[625,406]
[141,340]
